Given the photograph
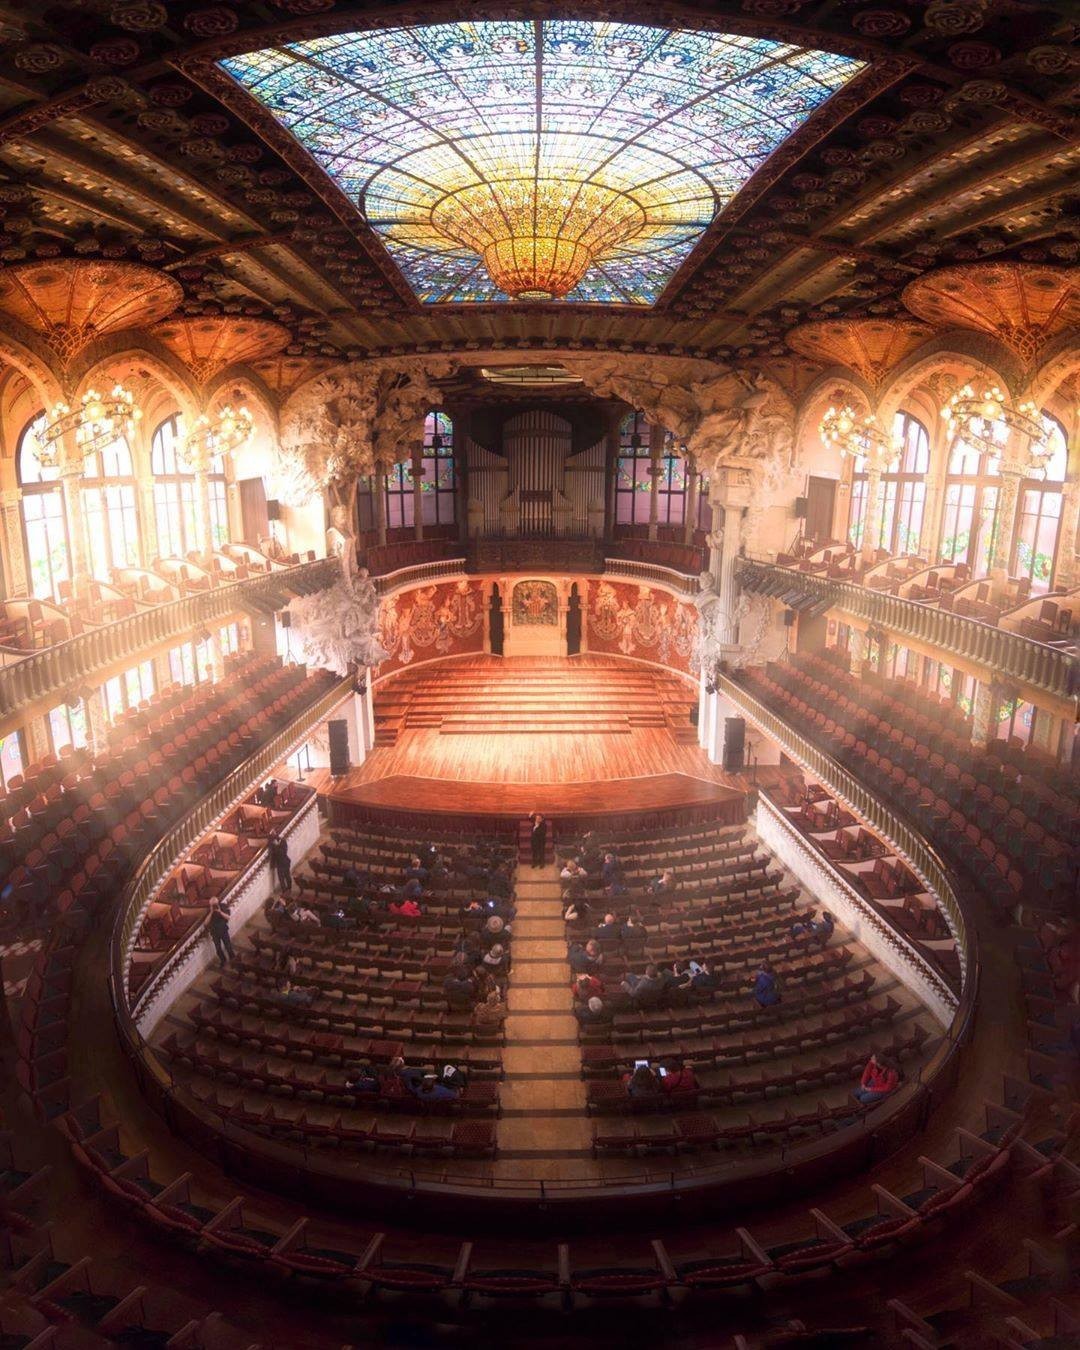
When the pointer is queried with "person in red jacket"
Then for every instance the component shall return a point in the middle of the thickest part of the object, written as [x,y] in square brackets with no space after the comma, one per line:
[677,1079]
[879,1078]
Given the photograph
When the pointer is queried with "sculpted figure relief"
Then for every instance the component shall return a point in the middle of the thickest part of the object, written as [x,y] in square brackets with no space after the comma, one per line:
[339,628]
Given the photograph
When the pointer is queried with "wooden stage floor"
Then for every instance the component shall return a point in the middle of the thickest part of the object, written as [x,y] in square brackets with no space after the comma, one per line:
[487,735]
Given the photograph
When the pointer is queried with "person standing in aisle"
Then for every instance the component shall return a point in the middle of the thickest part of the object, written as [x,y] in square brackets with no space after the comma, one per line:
[538,839]
[219,932]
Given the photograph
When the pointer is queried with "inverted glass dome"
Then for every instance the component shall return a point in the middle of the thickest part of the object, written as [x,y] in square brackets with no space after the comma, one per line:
[555,159]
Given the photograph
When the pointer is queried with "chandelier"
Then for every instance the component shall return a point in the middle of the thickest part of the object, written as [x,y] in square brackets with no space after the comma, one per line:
[854,433]
[986,421]
[538,237]
[221,434]
[96,422]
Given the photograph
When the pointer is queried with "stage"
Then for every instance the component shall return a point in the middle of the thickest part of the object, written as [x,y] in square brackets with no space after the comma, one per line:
[486,735]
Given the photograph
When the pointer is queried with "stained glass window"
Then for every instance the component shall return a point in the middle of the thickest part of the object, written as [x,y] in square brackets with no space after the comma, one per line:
[474,148]
[436,486]
[44,517]
[1039,518]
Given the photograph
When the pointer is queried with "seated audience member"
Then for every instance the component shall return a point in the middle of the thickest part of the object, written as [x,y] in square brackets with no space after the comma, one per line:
[285,963]
[459,988]
[473,917]
[499,886]
[335,918]
[287,992]
[610,872]
[267,794]
[663,884]
[591,1012]
[632,930]
[577,911]
[643,1082]
[586,987]
[585,960]
[406,907]
[362,1078]
[303,914]
[678,1080]
[414,872]
[572,871]
[809,926]
[483,982]
[702,979]
[496,959]
[412,890]
[677,979]
[351,880]
[491,1012]
[429,1087]
[610,928]
[277,904]
[766,989]
[362,910]
[646,988]
[879,1078]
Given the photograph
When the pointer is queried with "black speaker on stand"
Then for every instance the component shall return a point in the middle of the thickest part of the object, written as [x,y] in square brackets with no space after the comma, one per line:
[734,757]
[339,747]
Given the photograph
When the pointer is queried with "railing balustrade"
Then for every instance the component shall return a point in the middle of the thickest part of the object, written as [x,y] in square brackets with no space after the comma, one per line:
[49,671]
[652,573]
[1008,655]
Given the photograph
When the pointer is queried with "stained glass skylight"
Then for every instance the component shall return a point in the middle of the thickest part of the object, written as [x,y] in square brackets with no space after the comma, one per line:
[584,156]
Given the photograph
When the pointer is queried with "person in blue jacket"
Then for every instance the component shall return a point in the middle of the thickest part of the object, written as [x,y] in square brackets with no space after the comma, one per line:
[766,990]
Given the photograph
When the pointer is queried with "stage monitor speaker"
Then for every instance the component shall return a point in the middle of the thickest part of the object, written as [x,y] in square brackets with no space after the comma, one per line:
[273,509]
[801,506]
[734,744]
[285,618]
[339,747]
[789,618]
[695,712]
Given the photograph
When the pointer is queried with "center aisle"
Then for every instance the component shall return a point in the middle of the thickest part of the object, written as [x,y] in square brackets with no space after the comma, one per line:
[542,1094]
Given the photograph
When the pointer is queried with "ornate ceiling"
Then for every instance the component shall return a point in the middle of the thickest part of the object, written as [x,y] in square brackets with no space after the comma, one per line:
[122,139]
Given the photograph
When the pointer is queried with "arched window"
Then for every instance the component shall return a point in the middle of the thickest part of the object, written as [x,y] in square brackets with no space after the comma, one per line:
[110,510]
[903,486]
[437,487]
[48,559]
[903,490]
[970,519]
[174,492]
[633,489]
[1038,520]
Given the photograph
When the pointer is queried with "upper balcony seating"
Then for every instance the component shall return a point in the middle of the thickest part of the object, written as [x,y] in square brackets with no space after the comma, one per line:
[1007,815]
[29,624]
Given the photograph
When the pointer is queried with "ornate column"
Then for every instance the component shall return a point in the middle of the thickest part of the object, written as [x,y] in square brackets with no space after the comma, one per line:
[71,474]
[690,513]
[657,436]
[203,533]
[731,492]
[417,466]
[14,555]
[984,713]
[380,505]
[612,446]
[1008,499]
[97,721]
[144,495]
[872,514]
[1068,561]
[858,651]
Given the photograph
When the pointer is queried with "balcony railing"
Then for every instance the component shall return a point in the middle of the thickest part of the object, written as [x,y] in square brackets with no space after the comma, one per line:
[169,848]
[1008,655]
[908,843]
[50,671]
[652,573]
[419,574]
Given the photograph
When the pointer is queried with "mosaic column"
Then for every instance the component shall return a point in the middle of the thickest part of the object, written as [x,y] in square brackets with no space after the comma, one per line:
[858,648]
[732,493]
[1067,573]
[13,552]
[97,721]
[657,436]
[417,467]
[872,513]
[203,534]
[71,474]
[984,713]
[690,512]
[1006,520]
[380,506]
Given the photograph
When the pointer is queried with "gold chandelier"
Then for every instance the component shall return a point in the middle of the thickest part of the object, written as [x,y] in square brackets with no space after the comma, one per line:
[226,431]
[97,421]
[987,421]
[538,237]
[855,434]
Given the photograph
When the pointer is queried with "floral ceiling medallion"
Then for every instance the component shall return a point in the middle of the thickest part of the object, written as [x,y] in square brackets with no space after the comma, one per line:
[208,344]
[1023,305]
[869,347]
[73,301]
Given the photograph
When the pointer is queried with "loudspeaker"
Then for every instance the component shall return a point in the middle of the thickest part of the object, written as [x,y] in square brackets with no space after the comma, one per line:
[789,618]
[694,714]
[285,618]
[734,744]
[273,509]
[339,747]
[800,508]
